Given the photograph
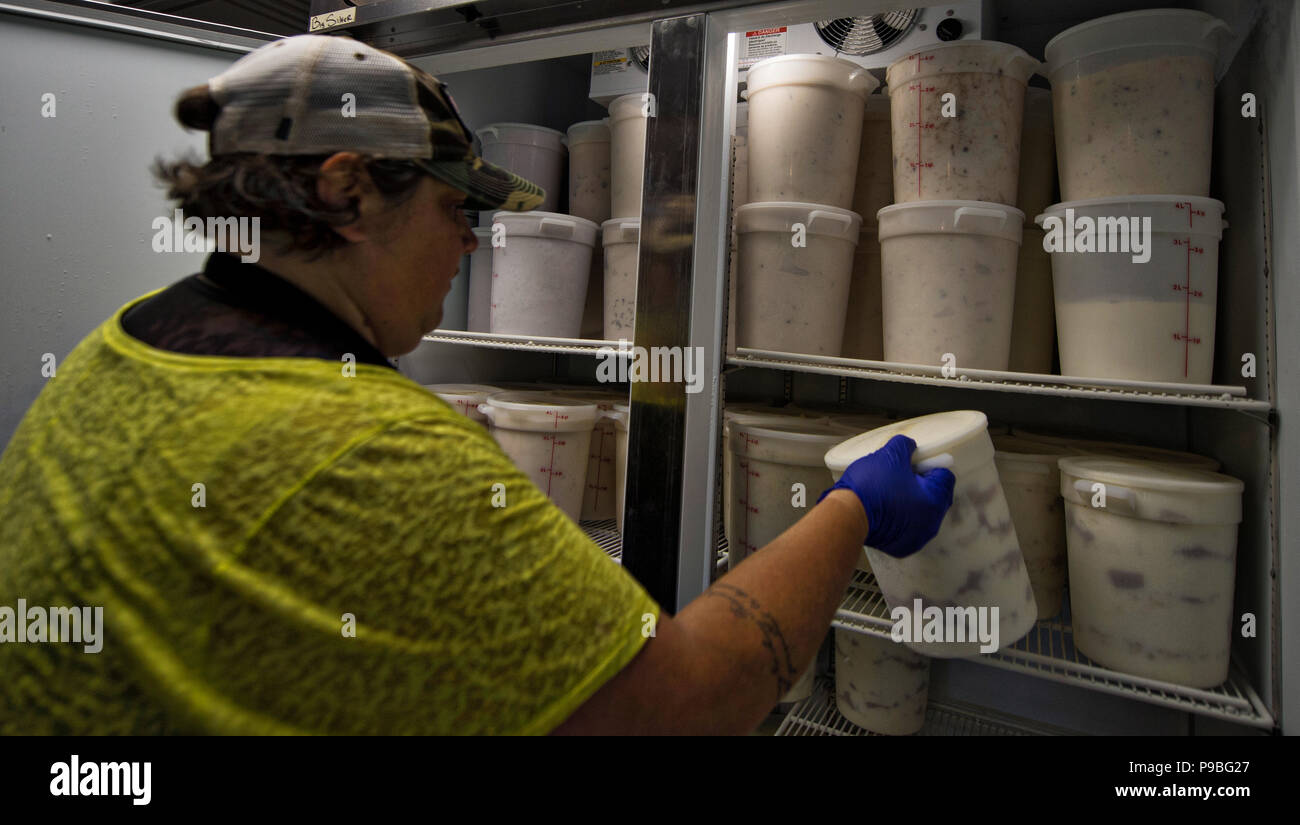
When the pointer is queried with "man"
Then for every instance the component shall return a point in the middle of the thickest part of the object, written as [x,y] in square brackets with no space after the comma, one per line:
[285,535]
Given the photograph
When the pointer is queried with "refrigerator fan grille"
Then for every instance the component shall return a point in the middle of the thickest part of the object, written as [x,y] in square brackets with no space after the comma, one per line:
[862,36]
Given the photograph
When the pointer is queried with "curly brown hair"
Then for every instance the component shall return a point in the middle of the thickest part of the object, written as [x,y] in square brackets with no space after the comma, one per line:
[278,189]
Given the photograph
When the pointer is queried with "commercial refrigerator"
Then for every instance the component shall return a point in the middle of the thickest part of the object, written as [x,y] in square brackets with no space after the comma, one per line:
[530,61]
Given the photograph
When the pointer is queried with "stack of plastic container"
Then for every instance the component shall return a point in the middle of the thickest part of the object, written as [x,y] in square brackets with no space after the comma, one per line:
[621,231]
[797,235]
[1136,274]
[950,242]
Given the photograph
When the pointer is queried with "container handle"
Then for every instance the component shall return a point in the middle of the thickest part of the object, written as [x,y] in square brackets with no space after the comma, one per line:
[557,228]
[841,223]
[487,130]
[489,411]
[1126,497]
[860,82]
[1215,27]
[1015,60]
[976,216]
[925,465]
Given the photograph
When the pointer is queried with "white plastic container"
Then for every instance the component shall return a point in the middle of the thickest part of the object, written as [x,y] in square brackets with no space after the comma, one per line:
[589,163]
[805,119]
[948,282]
[974,154]
[1116,449]
[794,298]
[1141,321]
[1031,483]
[628,116]
[464,398]
[621,238]
[803,688]
[600,497]
[539,283]
[1033,322]
[1134,103]
[731,469]
[864,323]
[479,309]
[880,685]
[532,152]
[1037,189]
[456,305]
[548,438]
[874,188]
[622,417]
[975,560]
[1152,572]
[780,475]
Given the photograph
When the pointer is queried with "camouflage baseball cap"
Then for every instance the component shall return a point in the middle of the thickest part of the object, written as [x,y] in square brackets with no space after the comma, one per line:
[315,94]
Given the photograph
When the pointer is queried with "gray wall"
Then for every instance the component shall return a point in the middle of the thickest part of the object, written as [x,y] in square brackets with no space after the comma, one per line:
[76,198]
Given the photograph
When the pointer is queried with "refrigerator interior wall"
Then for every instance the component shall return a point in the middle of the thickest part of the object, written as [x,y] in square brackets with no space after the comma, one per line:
[1244,441]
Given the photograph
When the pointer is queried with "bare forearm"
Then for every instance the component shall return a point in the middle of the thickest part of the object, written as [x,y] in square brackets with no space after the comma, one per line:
[757,629]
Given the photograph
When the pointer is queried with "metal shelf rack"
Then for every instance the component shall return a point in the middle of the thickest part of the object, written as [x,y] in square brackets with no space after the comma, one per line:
[818,716]
[525,343]
[1048,652]
[605,534]
[1191,395]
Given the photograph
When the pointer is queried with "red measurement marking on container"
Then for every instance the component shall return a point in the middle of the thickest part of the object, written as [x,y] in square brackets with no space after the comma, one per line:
[550,470]
[1186,336]
[920,124]
[1192,211]
[748,544]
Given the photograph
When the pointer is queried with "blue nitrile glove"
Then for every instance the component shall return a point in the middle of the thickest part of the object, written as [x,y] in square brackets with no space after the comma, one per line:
[904,508]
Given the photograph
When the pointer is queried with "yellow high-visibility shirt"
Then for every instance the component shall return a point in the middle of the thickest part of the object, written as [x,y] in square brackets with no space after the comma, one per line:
[236,518]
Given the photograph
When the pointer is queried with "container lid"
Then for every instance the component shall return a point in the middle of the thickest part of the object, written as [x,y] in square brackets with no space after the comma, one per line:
[857,424]
[799,442]
[588,131]
[1182,214]
[620,230]
[629,106]
[809,70]
[781,216]
[552,225]
[994,220]
[603,399]
[988,56]
[525,133]
[960,435]
[1153,490]
[538,411]
[1138,31]
[1021,455]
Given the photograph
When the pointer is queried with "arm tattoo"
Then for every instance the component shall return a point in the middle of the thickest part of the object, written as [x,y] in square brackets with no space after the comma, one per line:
[744,606]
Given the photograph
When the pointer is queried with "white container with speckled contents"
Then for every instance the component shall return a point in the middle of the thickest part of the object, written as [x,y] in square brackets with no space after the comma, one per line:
[966,147]
[589,165]
[792,297]
[854,425]
[535,153]
[548,438]
[742,413]
[599,499]
[1134,103]
[975,559]
[780,475]
[621,238]
[1151,320]
[628,116]
[464,398]
[479,310]
[1152,566]
[880,685]
[1118,449]
[539,274]
[805,124]
[1031,483]
[948,282]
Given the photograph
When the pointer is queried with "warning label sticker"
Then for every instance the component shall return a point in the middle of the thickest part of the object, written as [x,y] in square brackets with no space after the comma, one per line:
[762,44]
[609,62]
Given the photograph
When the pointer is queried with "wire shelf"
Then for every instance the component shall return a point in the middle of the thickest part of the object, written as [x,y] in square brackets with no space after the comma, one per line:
[818,716]
[1193,395]
[526,343]
[605,534]
[1048,652]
